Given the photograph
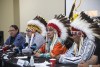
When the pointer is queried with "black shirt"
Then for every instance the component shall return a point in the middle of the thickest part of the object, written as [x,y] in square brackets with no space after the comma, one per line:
[12,39]
[97,51]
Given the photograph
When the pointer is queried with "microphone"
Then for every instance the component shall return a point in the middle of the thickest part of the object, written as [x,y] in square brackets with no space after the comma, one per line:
[29,50]
[1,51]
[7,47]
[16,51]
[26,44]
[33,46]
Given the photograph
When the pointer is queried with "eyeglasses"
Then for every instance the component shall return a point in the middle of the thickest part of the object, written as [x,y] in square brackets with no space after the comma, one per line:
[28,30]
[76,33]
[11,30]
[49,30]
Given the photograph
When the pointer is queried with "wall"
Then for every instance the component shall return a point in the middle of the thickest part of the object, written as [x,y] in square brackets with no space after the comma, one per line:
[45,8]
[16,12]
[0,13]
[20,11]
[6,17]
[86,5]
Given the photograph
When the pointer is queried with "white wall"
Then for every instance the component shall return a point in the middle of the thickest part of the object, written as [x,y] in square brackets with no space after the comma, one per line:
[0,13]
[16,12]
[20,11]
[89,5]
[6,16]
[45,8]
[86,5]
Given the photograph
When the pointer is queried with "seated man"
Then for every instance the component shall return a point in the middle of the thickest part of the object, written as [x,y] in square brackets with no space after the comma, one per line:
[35,34]
[94,61]
[56,33]
[15,37]
[84,41]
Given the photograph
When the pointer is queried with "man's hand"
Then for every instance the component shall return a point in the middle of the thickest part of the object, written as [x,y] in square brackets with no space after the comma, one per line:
[5,46]
[15,48]
[57,57]
[83,65]
[86,65]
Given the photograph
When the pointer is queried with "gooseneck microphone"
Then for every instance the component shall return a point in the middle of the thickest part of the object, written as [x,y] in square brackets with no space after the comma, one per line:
[15,52]
[33,46]
[26,44]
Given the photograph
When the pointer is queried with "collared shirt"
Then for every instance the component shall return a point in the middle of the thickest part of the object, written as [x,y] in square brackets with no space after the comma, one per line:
[38,39]
[58,49]
[12,39]
[86,52]
[18,41]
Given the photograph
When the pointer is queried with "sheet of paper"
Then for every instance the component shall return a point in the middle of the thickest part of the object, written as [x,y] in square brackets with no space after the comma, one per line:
[44,64]
[20,62]
[21,57]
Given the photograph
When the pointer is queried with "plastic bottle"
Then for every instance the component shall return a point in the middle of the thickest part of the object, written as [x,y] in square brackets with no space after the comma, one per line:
[32,61]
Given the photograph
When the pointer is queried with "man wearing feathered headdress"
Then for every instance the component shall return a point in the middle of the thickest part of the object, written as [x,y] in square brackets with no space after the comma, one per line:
[56,34]
[84,35]
[94,61]
[35,34]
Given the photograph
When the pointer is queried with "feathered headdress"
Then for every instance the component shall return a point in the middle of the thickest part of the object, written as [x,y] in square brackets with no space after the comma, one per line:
[59,24]
[39,24]
[84,23]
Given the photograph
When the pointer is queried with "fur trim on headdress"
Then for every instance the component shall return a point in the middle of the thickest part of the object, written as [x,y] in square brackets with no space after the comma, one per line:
[39,24]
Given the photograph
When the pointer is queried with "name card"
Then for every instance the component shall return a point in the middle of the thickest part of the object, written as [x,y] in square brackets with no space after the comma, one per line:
[20,62]
[5,57]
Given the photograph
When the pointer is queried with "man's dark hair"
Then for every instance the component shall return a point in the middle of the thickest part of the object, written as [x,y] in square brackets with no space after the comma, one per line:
[15,27]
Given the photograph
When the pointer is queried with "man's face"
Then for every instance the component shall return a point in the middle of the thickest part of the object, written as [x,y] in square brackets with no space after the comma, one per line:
[13,32]
[76,35]
[50,32]
[30,32]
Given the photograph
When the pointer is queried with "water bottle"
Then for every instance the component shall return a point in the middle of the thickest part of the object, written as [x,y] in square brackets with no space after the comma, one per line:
[32,61]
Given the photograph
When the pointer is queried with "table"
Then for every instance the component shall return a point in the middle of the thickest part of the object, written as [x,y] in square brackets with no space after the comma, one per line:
[12,62]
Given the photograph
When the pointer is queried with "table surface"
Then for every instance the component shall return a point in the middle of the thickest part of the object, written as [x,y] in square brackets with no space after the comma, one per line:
[13,62]
[37,60]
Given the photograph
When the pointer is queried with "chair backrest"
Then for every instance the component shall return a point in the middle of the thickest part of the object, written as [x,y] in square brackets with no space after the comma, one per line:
[23,33]
[1,38]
